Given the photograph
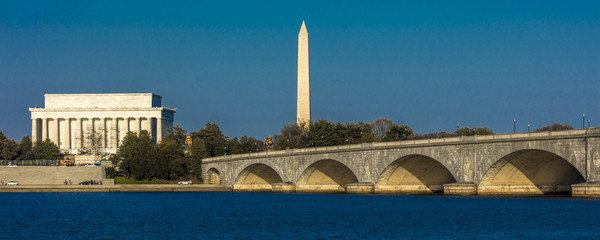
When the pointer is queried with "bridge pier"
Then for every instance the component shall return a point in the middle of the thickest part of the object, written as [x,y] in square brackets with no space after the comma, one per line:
[524,189]
[589,189]
[408,189]
[252,188]
[284,187]
[320,189]
[460,189]
[360,188]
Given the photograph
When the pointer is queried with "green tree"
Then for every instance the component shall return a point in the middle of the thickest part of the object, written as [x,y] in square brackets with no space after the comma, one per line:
[8,148]
[323,133]
[398,132]
[194,159]
[138,158]
[290,137]
[250,144]
[176,133]
[467,131]
[171,152]
[233,146]
[353,133]
[554,127]
[214,139]
[46,150]
[198,149]
[25,150]
[366,131]
[135,155]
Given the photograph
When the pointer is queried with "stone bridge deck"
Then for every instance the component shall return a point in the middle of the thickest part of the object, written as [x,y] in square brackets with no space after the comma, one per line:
[524,163]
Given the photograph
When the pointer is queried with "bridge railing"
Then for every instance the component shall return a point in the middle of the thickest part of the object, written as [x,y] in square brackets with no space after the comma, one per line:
[431,141]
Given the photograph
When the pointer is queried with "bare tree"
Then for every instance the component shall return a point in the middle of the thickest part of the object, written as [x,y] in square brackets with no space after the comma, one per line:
[96,143]
[93,144]
[381,126]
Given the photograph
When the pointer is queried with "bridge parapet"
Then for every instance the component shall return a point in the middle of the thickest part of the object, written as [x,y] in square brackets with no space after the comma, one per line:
[595,132]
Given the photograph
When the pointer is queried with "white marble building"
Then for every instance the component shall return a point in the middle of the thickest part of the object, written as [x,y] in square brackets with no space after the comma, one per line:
[84,123]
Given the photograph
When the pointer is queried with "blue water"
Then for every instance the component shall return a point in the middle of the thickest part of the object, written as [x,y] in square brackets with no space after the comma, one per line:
[292,216]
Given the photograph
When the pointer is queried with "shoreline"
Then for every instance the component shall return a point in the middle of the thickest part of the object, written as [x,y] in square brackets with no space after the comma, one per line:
[114,188]
[56,188]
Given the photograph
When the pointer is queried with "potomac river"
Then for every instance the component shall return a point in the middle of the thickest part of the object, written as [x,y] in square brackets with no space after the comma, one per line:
[232,215]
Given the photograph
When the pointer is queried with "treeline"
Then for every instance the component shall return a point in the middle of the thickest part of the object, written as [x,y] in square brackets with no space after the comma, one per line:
[326,133]
[172,158]
[25,150]
[138,158]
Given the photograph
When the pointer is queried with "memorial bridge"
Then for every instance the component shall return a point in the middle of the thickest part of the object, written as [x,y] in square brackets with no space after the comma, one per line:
[523,163]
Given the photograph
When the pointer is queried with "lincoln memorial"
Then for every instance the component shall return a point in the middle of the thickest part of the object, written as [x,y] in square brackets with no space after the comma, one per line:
[87,123]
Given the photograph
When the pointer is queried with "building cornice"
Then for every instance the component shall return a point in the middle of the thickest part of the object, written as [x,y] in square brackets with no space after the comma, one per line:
[166,109]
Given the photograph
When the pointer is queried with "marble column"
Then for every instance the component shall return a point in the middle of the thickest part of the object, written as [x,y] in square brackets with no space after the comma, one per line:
[135,126]
[67,139]
[114,134]
[158,130]
[149,126]
[78,134]
[56,138]
[34,130]
[103,132]
[44,129]
[85,131]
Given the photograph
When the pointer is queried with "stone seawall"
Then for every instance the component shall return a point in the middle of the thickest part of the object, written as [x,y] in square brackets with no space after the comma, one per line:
[115,188]
[27,175]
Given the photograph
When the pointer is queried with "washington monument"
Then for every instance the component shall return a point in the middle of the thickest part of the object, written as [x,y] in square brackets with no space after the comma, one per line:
[303,111]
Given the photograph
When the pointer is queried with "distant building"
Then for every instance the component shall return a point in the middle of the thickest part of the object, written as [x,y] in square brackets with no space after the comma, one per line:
[89,124]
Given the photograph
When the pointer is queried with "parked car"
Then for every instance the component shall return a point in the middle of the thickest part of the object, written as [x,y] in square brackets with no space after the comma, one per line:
[11,165]
[90,165]
[85,183]
[185,182]
[12,183]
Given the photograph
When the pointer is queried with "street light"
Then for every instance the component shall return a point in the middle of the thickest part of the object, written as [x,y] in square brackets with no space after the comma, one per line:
[528,127]
[583,121]
[514,125]
[457,132]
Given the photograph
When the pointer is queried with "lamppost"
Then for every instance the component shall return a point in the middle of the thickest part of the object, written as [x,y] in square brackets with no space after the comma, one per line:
[583,121]
[514,125]
[528,127]
[457,127]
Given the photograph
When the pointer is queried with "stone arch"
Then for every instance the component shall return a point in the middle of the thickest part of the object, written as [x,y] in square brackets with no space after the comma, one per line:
[256,177]
[325,175]
[530,171]
[414,174]
[213,176]
[569,154]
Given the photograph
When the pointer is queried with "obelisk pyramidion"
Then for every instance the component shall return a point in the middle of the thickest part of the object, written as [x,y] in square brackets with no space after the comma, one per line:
[303,111]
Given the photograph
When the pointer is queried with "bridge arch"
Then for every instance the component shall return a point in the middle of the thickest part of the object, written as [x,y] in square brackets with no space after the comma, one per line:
[414,174]
[257,177]
[530,171]
[213,176]
[325,175]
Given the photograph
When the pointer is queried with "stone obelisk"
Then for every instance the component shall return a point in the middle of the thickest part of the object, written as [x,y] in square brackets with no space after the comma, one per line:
[303,110]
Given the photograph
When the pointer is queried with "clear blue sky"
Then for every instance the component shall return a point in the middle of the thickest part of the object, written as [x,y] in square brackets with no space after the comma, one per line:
[427,64]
